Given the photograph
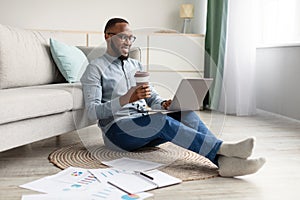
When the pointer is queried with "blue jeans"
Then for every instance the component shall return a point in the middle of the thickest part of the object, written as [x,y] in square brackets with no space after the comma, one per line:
[184,129]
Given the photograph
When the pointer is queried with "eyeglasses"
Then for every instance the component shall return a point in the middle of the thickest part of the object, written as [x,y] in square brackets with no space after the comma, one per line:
[124,37]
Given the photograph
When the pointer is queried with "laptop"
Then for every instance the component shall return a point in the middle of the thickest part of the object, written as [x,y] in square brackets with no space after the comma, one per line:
[189,94]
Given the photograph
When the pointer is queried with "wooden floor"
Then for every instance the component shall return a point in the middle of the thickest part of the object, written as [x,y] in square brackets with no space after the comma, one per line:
[278,139]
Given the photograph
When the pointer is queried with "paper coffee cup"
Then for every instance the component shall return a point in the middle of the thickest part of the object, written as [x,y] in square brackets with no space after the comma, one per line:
[142,78]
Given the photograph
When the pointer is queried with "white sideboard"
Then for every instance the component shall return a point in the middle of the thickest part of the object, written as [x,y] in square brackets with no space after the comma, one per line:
[171,57]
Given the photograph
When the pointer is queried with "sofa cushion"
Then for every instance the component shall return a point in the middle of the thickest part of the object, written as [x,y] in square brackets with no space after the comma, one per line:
[25,58]
[30,102]
[70,60]
[75,90]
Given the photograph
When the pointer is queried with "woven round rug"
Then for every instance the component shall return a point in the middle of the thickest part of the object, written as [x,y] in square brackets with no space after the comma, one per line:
[179,162]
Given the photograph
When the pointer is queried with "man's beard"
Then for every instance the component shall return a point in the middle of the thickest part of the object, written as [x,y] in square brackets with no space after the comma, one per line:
[118,51]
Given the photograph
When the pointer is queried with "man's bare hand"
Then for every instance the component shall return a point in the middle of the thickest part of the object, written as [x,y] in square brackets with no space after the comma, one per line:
[135,93]
[166,104]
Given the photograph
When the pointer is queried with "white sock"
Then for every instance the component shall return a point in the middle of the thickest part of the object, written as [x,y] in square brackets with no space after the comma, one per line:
[240,149]
[230,167]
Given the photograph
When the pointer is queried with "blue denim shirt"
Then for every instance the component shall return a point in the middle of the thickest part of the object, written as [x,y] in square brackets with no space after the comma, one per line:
[104,81]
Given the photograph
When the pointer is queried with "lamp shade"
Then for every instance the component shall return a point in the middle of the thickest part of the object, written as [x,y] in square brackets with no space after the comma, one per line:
[187,11]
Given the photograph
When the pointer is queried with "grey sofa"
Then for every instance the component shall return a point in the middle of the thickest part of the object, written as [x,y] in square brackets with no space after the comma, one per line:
[35,101]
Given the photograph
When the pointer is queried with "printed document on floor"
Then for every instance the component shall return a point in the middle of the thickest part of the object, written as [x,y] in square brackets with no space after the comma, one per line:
[88,196]
[132,164]
[75,183]
[134,181]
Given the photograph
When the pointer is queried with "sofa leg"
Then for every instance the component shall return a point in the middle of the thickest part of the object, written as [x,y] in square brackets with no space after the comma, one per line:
[57,140]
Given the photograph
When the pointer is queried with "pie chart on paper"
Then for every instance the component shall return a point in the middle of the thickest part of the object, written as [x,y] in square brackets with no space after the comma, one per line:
[130,197]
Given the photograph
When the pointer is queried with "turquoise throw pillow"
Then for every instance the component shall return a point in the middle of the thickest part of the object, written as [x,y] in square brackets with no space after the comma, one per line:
[70,60]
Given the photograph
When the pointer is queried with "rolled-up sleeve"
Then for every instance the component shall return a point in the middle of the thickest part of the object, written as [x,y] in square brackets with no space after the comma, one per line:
[155,100]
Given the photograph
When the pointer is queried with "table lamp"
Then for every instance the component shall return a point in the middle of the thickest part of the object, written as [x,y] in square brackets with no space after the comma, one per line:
[187,13]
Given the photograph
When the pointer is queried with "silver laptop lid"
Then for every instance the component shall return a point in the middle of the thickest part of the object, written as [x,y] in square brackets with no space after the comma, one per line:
[190,93]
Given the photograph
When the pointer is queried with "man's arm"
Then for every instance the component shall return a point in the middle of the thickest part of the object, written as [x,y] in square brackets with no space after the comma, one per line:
[155,101]
[92,93]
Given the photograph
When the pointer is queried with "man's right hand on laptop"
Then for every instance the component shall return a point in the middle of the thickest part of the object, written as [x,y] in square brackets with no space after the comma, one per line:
[166,104]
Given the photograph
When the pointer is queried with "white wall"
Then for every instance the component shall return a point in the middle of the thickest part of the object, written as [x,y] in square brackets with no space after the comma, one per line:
[199,21]
[92,14]
[278,80]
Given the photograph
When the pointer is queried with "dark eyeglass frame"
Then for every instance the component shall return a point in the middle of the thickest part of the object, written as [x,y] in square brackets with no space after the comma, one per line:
[123,37]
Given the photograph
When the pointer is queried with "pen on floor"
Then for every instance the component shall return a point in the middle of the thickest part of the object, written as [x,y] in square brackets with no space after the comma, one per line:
[110,183]
[145,175]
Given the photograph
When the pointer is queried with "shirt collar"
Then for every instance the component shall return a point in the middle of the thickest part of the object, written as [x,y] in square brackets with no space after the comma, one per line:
[110,58]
